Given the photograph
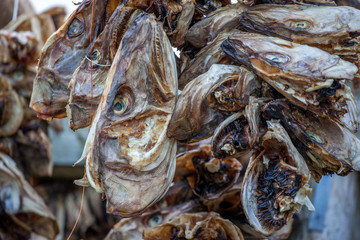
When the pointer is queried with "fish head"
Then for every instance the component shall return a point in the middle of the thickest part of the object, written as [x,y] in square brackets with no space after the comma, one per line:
[88,81]
[61,55]
[127,141]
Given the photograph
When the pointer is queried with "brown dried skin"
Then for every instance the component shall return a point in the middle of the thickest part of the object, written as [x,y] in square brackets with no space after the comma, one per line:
[208,177]
[239,133]
[86,91]
[331,28]
[296,71]
[350,3]
[22,209]
[11,110]
[127,142]
[228,204]
[167,11]
[16,48]
[327,147]
[205,7]
[203,60]
[132,228]
[208,28]
[58,15]
[177,36]
[275,184]
[234,94]
[193,119]
[41,25]
[201,225]
[60,57]
[35,150]
[214,176]
[21,80]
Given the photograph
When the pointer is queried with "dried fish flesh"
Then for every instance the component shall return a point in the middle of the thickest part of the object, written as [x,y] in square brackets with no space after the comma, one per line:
[275,185]
[127,142]
[88,80]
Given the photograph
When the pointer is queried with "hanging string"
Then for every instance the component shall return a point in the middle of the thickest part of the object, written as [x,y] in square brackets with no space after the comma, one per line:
[97,64]
[15,10]
[91,105]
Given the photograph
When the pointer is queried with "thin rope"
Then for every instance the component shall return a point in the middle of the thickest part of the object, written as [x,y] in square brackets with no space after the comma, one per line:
[91,75]
[97,64]
[15,10]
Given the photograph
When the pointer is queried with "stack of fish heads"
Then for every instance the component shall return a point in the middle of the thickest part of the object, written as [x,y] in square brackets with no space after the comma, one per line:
[127,139]
[62,54]
[88,80]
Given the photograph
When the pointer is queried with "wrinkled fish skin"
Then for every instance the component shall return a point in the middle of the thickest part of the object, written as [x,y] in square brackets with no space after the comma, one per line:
[193,118]
[128,155]
[326,146]
[238,134]
[208,28]
[234,94]
[11,109]
[82,94]
[23,211]
[298,72]
[132,228]
[60,57]
[205,58]
[201,225]
[330,28]
[275,184]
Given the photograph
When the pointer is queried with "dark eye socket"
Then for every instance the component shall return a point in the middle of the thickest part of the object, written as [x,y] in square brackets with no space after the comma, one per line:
[75,28]
[155,220]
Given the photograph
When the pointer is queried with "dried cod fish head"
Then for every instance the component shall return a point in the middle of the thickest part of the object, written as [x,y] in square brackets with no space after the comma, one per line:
[298,72]
[201,225]
[21,207]
[234,94]
[275,185]
[208,28]
[61,55]
[86,91]
[132,228]
[193,119]
[326,146]
[205,58]
[238,134]
[35,150]
[21,80]
[128,155]
[212,176]
[331,28]
[11,109]
[205,7]
[182,23]
[17,48]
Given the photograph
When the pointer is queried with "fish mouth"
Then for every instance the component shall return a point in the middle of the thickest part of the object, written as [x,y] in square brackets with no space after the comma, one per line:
[46,101]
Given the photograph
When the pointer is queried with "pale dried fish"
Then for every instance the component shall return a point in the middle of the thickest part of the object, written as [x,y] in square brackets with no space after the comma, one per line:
[127,142]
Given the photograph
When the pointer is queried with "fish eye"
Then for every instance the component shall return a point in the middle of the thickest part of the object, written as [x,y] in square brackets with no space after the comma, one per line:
[300,25]
[95,56]
[18,76]
[121,104]
[276,58]
[155,220]
[75,28]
